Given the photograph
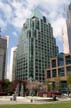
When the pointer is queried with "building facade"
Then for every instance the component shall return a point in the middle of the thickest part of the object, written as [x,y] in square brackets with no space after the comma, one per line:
[35,48]
[59,67]
[3,55]
[13,63]
[65,39]
[69,25]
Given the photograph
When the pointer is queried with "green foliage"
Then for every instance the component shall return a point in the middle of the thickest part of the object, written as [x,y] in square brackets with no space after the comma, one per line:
[49,85]
[57,83]
[69,80]
[57,87]
[7,86]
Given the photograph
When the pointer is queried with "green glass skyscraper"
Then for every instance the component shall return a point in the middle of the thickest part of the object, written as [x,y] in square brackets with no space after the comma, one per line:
[35,48]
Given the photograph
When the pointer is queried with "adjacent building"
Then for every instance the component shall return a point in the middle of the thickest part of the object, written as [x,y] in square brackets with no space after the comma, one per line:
[35,48]
[3,55]
[13,63]
[59,67]
[65,39]
[69,25]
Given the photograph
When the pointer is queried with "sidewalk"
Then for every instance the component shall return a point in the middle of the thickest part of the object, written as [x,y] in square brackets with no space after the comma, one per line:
[26,100]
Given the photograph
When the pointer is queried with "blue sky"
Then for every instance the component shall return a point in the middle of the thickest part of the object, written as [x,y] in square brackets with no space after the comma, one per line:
[13,14]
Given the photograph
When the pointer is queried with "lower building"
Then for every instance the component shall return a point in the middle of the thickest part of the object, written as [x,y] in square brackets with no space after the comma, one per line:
[13,64]
[59,67]
[3,55]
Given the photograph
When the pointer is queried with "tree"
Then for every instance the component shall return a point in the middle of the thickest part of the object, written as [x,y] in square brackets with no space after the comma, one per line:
[57,81]
[7,86]
[69,80]
[49,85]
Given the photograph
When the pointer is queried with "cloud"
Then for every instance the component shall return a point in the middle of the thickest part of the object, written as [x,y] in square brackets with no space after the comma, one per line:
[17,22]
[17,11]
[14,34]
[20,17]
[5,15]
[58,25]
[2,24]
[55,11]
[6,9]
[20,13]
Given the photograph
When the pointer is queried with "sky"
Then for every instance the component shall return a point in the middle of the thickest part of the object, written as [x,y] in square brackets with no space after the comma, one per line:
[13,13]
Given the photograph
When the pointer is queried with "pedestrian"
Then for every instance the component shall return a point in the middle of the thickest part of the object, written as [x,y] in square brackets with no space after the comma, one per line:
[54,97]
[31,100]
[68,93]
[14,97]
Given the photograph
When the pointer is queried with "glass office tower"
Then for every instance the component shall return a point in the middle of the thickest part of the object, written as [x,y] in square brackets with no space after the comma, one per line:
[35,48]
[3,57]
[69,26]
